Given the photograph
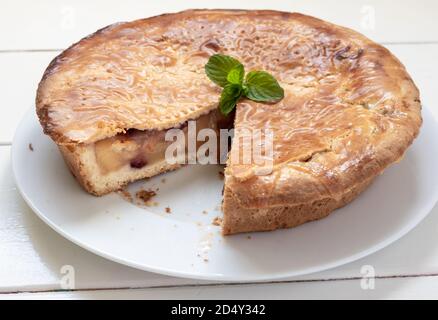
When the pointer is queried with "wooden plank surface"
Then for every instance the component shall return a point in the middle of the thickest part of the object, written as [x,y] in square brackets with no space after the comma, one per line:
[48,24]
[32,255]
[19,77]
[391,288]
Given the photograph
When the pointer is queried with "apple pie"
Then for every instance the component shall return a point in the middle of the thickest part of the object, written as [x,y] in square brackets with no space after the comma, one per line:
[349,110]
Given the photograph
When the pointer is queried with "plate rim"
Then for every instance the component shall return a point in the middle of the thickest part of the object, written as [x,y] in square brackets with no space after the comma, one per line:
[419,217]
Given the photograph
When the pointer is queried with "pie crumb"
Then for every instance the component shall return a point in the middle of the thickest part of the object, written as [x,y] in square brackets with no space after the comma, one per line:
[145,196]
[30,147]
[125,195]
[168,210]
[217,221]
[204,212]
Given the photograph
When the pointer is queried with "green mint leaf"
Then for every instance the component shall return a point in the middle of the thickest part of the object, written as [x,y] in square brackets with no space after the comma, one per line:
[236,74]
[229,97]
[219,66]
[229,73]
[261,86]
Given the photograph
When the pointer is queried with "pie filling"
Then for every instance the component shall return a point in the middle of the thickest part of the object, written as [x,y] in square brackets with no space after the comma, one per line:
[139,149]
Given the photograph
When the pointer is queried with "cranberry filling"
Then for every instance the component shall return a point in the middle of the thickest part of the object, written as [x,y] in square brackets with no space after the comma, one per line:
[138,162]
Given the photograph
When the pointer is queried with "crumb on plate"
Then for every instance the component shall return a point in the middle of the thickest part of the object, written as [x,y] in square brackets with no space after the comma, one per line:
[125,194]
[217,221]
[145,196]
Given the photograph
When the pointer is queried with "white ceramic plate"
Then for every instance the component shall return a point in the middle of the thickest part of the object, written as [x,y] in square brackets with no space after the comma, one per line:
[185,243]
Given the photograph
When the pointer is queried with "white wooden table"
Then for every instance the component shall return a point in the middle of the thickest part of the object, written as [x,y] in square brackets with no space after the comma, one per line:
[32,255]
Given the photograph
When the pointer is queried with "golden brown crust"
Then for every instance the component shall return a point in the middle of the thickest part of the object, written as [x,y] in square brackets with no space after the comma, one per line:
[238,219]
[350,108]
[82,164]
[148,74]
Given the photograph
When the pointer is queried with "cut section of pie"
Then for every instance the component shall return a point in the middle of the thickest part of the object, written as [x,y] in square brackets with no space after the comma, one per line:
[350,108]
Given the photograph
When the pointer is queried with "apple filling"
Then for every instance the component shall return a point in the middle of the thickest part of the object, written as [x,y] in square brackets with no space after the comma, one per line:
[139,149]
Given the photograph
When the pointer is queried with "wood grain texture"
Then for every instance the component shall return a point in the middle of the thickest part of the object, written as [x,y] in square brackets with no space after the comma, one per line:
[19,77]
[47,25]
[388,288]
[31,254]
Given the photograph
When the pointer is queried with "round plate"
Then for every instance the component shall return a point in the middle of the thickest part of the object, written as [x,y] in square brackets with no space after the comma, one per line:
[186,243]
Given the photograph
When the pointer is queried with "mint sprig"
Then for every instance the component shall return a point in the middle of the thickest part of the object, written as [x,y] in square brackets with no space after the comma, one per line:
[229,96]
[219,66]
[229,73]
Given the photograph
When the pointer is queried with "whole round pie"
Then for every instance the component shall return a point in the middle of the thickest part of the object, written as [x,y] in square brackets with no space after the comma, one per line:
[349,110]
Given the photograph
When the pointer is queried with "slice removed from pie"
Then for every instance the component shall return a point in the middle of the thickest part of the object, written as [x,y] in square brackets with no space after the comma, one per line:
[350,108]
